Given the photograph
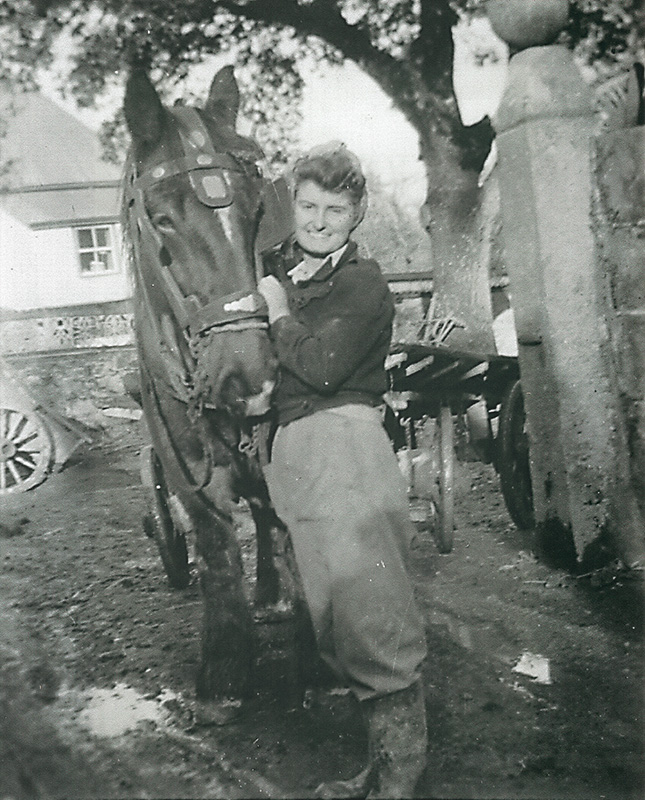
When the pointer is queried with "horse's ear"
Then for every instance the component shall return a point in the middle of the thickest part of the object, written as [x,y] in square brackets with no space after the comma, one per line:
[224,97]
[143,110]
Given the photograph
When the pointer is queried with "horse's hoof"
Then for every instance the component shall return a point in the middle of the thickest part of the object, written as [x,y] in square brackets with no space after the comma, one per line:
[217,712]
[282,611]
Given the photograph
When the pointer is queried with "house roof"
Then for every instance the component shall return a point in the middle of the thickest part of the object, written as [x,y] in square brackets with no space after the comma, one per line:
[53,173]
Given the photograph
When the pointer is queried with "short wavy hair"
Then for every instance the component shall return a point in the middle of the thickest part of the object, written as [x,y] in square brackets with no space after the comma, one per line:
[333,167]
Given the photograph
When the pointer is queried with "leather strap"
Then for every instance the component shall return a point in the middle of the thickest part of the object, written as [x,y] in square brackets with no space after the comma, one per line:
[204,167]
[233,307]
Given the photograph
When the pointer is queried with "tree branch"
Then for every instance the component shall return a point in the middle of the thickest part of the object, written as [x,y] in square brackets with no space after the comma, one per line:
[399,79]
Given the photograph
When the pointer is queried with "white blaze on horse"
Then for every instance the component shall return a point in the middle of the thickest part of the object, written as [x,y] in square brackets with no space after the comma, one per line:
[196,212]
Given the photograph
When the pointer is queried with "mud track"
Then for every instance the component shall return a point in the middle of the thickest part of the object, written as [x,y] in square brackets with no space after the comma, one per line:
[98,655]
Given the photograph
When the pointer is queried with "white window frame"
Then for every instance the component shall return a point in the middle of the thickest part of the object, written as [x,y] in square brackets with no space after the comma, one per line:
[96,249]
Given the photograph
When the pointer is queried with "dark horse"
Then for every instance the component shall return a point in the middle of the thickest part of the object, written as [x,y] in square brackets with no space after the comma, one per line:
[195,203]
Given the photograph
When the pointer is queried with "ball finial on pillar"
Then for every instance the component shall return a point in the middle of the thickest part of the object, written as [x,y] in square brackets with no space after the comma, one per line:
[527,23]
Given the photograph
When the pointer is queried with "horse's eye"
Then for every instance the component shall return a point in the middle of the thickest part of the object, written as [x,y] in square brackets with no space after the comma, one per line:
[162,222]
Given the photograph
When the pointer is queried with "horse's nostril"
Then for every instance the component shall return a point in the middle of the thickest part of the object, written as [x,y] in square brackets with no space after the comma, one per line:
[233,388]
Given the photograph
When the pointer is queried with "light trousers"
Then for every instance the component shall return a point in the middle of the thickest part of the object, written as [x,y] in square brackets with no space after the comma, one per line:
[335,482]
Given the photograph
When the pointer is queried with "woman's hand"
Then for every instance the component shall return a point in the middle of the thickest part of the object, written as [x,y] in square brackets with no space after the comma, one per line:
[275,297]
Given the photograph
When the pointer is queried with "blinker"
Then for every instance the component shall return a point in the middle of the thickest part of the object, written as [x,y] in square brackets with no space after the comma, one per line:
[211,187]
[204,166]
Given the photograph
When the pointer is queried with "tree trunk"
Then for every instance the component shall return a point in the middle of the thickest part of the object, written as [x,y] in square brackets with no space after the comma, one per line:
[452,217]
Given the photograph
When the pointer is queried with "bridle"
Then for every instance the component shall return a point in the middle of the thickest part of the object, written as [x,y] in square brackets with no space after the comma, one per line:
[206,169]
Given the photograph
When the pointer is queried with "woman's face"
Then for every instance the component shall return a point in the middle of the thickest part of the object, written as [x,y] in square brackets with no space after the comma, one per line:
[324,220]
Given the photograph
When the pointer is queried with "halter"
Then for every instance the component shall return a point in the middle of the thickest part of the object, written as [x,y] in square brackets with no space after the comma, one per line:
[206,168]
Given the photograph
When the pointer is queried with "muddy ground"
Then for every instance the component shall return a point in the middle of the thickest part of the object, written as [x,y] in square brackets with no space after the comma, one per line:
[98,656]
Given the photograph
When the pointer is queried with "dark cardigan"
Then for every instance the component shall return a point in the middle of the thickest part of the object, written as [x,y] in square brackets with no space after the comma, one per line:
[332,346]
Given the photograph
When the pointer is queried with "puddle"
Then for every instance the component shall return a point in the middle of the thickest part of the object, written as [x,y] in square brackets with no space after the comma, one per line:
[116,711]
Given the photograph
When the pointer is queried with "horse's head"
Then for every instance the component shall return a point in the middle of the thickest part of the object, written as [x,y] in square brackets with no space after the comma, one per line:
[194,195]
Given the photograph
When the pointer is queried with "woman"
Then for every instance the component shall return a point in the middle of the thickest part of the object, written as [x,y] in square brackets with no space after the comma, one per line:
[333,476]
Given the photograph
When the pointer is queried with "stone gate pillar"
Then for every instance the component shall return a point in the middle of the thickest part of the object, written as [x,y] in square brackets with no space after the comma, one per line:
[577,434]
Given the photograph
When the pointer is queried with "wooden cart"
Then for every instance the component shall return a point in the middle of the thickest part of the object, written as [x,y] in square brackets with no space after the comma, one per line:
[480,391]
[35,440]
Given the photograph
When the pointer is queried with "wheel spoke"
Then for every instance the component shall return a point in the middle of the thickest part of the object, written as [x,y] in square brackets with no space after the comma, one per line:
[31,465]
[9,422]
[26,451]
[26,439]
[14,472]
[14,429]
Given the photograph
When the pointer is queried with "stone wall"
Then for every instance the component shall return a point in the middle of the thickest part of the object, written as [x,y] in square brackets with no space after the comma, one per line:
[80,385]
[67,328]
[81,365]
[619,226]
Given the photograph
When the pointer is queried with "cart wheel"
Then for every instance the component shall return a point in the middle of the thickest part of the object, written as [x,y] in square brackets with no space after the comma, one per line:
[444,503]
[25,450]
[159,525]
[513,458]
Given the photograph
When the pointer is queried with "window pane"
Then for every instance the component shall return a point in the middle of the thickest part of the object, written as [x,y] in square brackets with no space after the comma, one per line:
[105,259]
[101,237]
[85,237]
[86,262]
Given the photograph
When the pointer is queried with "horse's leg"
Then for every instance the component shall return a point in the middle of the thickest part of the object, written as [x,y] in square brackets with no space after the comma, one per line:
[227,626]
[288,661]
[277,588]
[227,629]
[268,586]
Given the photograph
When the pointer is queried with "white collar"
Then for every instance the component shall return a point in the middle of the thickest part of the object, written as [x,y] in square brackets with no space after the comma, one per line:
[305,272]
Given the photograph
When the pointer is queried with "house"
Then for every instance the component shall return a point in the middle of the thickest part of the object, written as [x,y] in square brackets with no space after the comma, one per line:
[63,278]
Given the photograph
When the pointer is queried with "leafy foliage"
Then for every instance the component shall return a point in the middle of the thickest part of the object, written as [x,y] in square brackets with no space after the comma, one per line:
[404,45]
[607,35]
[268,40]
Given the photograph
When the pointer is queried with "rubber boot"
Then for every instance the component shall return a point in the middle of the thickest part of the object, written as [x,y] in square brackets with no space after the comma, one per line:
[398,742]
[356,788]
[397,736]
